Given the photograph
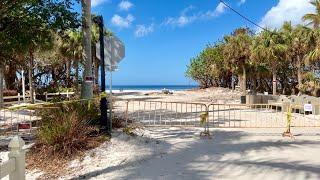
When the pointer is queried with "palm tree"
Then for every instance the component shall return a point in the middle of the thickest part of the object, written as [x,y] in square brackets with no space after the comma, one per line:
[76,49]
[313,18]
[269,49]
[95,60]
[237,52]
[87,88]
[303,40]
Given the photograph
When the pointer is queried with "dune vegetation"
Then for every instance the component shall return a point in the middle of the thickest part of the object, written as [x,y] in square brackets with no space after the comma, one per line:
[279,61]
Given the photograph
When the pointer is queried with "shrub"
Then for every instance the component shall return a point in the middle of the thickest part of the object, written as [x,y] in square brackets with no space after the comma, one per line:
[65,126]
[129,131]
[65,132]
[118,122]
[8,92]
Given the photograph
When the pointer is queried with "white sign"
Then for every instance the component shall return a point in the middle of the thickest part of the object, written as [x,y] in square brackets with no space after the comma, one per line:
[307,107]
[114,51]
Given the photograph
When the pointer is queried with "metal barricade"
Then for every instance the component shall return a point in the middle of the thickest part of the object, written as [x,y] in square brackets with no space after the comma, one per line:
[16,121]
[245,116]
[153,113]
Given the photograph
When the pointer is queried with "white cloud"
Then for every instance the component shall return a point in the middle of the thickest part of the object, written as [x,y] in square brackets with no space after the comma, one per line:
[241,2]
[286,10]
[98,2]
[122,22]
[125,5]
[143,30]
[220,8]
[186,18]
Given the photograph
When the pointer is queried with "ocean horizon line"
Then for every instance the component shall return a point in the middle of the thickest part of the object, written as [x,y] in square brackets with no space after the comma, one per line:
[153,87]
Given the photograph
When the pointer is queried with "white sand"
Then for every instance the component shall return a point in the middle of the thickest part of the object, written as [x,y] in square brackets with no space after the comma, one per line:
[210,95]
[177,153]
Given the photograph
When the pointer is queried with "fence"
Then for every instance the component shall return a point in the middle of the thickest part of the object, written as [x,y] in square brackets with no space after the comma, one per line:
[258,116]
[219,115]
[50,96]
[16,99]
[164,113]
[17,121]
[15,166]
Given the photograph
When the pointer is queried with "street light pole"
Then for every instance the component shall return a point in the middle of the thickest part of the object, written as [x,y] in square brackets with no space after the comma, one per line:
[104,121]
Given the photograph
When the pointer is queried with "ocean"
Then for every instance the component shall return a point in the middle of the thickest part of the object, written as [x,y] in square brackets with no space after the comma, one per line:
[153,87]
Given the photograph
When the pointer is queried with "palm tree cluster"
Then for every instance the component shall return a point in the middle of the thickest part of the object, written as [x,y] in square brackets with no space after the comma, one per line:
[44,40]
[284,60]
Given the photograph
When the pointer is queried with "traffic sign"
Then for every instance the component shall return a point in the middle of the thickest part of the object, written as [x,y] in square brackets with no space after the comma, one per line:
[114,51]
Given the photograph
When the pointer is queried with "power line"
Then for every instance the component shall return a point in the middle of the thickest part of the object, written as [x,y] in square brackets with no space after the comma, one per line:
[243,16]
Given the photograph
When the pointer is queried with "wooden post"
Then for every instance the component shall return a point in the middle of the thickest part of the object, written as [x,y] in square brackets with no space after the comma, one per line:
[46,96]
[1,86]
[23,86]
[18,98]
[126,114]
[18,154]
[34,96]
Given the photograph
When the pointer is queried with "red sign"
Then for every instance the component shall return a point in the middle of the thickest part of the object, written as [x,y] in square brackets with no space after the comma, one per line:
[88,79]
[24,126]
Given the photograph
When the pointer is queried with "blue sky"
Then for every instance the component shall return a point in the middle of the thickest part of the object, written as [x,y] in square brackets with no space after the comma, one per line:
[162,35]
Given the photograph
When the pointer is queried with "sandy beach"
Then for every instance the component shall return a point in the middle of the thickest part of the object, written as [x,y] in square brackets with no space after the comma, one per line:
[179,153]
[209,95]
[165,152]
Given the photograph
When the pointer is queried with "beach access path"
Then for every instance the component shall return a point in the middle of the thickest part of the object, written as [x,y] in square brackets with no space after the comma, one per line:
[179,153]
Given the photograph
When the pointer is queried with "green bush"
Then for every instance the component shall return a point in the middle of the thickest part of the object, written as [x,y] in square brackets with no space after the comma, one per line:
[66,127]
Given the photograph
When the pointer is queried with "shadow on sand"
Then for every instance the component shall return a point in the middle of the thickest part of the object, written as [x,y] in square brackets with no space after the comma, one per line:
[205,158]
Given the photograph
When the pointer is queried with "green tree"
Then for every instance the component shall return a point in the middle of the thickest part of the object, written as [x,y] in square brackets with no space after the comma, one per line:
[25,27]
[302,43]
[269,49]
[237,53]
[313,18]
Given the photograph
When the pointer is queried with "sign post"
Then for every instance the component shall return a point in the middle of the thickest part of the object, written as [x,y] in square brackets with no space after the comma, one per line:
[104,121]
[110,50]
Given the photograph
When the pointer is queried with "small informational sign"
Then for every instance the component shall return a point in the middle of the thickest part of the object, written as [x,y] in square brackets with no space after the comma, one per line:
[307,107]
[88,79]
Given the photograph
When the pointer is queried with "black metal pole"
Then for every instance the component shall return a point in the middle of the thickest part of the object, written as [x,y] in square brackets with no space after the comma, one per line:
[104,121]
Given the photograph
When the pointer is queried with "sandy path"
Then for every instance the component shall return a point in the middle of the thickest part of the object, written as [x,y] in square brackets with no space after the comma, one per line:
[175,153]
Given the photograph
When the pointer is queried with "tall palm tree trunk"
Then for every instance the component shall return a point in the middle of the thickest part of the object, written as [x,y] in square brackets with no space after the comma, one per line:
[299,73]
[97,74]
[76,74]
[30,77]
[68,69]
[274,82]
[244,80]
[254,85]
[87,90]
[232,80]
[1,85]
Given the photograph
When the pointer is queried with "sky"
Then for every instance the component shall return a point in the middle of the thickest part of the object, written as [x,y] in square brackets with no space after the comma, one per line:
[161,36]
